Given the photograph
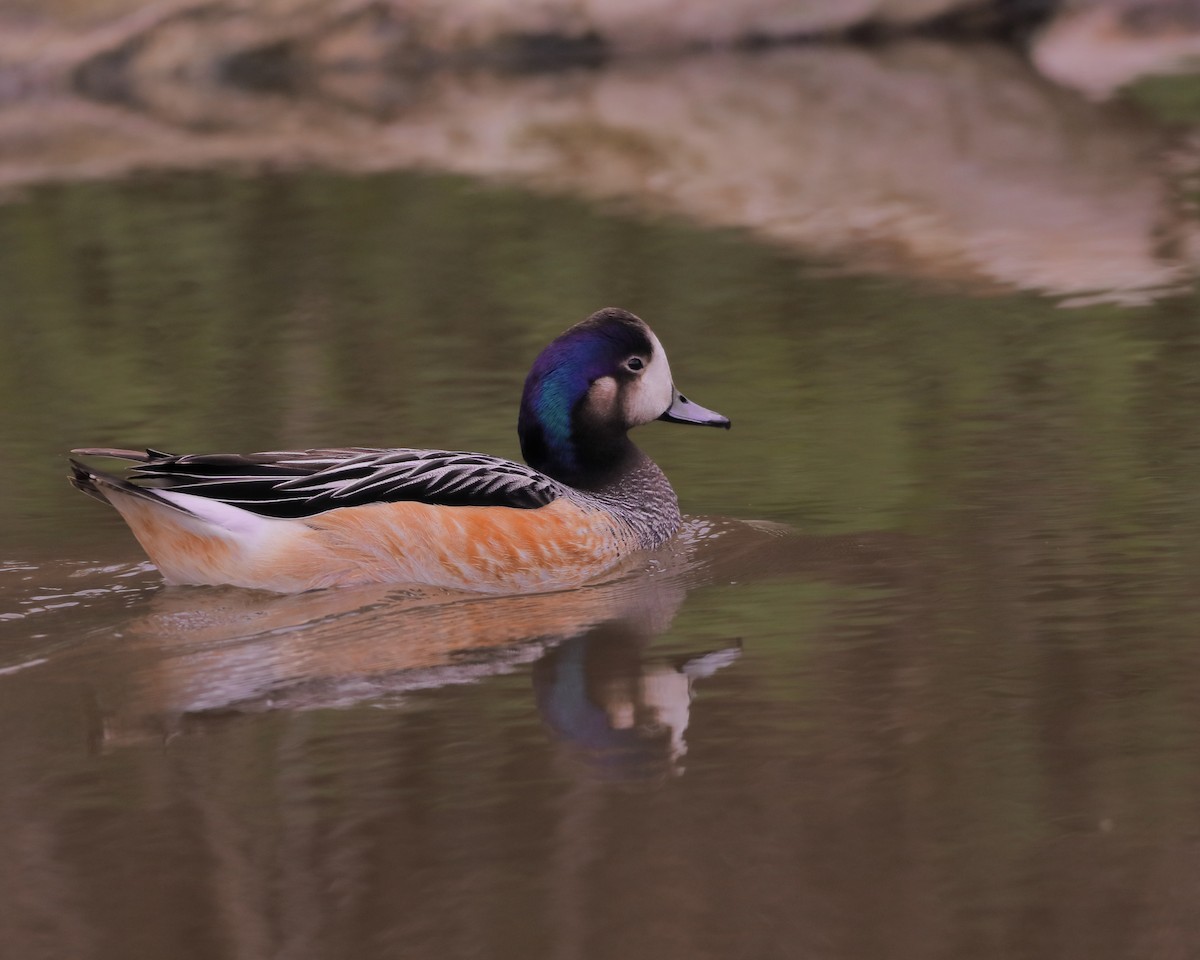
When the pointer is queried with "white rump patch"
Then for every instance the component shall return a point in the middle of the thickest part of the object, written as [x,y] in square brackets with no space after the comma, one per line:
[235,520]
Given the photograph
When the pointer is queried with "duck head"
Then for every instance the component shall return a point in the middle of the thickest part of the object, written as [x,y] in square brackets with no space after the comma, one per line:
[588,388]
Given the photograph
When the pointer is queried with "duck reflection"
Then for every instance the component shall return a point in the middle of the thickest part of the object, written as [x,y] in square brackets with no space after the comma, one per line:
[190,662]
[198,657]
[622,712]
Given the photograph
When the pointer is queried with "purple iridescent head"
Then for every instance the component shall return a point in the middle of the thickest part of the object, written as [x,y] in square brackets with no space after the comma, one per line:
[589,387]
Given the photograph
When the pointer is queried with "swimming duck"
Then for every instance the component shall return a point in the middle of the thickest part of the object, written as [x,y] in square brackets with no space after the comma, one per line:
[299,520]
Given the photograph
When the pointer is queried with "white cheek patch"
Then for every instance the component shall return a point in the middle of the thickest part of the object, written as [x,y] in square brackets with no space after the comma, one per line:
[652,393]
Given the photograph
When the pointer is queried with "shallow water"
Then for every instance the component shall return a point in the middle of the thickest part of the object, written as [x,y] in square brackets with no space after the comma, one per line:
[917,679]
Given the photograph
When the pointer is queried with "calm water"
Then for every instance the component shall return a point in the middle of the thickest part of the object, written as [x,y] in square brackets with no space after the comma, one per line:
[919,678]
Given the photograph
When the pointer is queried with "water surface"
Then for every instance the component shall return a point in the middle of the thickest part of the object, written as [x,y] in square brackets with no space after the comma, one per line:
[917,680]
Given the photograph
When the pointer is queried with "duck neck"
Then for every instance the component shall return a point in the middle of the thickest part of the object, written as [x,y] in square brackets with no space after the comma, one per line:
[610,468]
[587,459]
[640,496]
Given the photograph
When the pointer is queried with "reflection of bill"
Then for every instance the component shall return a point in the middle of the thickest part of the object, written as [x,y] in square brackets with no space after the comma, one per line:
[623,713]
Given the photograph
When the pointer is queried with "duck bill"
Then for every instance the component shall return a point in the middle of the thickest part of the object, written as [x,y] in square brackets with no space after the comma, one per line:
[682,410]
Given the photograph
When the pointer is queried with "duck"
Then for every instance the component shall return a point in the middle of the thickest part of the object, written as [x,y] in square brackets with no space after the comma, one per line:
[585,500]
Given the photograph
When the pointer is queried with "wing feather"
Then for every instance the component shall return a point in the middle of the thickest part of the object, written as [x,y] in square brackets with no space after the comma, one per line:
[307,482]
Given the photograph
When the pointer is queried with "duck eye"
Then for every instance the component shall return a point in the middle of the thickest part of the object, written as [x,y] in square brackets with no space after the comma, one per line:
[634,363]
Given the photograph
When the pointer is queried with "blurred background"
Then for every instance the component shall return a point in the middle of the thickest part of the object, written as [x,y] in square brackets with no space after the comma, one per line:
[917,679]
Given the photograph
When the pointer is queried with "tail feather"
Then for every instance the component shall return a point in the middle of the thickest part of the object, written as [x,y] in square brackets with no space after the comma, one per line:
[116,453]
[81,479]
[194,539]
[94,482]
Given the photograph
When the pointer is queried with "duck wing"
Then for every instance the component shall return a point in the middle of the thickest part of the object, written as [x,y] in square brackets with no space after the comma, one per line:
[302,483]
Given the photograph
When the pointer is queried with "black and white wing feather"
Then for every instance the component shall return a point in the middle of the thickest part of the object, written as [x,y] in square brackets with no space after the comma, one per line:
[307,482]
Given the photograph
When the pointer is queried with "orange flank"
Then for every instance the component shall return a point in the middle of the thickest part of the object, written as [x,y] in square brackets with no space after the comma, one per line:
[488,549]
